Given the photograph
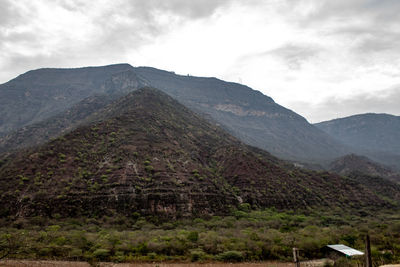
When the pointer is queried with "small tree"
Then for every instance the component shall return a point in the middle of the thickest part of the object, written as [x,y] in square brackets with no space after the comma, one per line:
[9,245]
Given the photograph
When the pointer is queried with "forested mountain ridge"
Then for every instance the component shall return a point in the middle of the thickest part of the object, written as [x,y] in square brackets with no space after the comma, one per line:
[147,153]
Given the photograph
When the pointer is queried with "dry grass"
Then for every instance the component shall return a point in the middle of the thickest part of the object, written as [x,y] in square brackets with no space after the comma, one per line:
[26,263]
[263,264]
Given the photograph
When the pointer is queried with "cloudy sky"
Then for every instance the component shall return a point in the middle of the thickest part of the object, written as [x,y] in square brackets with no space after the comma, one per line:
[321,58]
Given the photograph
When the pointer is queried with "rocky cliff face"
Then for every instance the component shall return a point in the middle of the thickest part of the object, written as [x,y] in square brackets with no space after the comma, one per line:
[147,153]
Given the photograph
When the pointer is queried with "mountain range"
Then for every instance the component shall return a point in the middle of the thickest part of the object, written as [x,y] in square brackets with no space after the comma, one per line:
[247,114]
[145,152]
[102,139]
[45,103]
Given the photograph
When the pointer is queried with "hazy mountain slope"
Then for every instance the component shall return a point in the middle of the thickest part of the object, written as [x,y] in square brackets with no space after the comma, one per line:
[40,94]
[41,132]
[363,165]
[379,132]
[80,113]
[249,115]
[150,154]
[374,135]
[246,113]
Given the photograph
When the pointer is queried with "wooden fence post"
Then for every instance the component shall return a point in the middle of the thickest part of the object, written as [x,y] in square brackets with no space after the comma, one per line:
[296,259]
[368,261]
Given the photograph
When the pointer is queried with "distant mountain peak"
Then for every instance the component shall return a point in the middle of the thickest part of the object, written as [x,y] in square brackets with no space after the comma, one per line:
[376,135]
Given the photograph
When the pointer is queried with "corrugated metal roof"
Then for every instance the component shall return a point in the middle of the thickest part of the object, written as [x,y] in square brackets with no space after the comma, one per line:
[346,250]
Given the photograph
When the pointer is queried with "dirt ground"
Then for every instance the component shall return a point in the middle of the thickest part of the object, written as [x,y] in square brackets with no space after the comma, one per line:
[27,263]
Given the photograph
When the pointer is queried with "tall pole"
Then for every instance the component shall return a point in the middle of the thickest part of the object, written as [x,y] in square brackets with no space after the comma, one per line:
[368,261]
[296,259]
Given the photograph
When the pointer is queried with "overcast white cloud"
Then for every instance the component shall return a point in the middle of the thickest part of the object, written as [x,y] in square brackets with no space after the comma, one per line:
[322,58]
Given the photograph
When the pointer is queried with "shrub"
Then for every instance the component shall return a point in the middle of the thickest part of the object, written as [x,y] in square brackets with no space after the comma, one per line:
[135,215]
[101,253]
[44,252]
[240,214]
[152,255]
[53,228]
[245,207]
[196,255]
[193,236]
[231,256]
[167,226]
[75,253]
[149,168]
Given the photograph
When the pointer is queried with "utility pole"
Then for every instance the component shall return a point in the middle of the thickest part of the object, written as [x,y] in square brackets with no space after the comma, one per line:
[368,261]
[296,259]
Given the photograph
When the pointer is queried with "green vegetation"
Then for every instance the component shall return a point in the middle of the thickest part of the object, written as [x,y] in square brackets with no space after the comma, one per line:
[253,236]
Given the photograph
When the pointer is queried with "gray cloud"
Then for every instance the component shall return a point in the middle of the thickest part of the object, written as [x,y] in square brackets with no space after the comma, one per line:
[372,39]
[377,11]
[294,55]
[135,23]
[369,30]
[380,42]
[372,25]
[145,15]
[184,8]
[121,27]
[74,5]
[9,14]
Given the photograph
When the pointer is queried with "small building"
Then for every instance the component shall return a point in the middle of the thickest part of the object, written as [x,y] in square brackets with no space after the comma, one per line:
[339,250]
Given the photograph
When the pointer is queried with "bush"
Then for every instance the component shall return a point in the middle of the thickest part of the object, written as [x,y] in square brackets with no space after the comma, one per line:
[196,255]
[231,256]
[245,207]
[152,255]
[135,215]
[240,214]
[75,253]
[167,226]
[193,236]
[101,253]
